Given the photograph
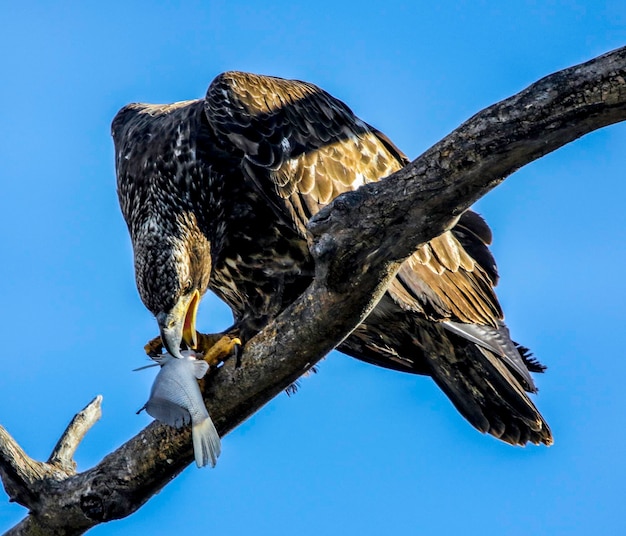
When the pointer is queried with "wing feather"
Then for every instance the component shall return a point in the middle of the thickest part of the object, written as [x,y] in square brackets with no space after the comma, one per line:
[302,148]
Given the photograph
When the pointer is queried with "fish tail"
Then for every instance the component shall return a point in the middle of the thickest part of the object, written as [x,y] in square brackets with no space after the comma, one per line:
[206,442]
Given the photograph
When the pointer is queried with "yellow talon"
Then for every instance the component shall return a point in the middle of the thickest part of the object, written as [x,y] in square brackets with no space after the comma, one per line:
[217,347]
[214,347]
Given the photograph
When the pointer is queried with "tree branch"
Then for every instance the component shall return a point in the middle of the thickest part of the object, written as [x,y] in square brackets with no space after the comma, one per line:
[63,452]
[358,243]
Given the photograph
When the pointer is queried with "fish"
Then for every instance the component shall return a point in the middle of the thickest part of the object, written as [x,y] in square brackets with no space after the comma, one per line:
[176,400]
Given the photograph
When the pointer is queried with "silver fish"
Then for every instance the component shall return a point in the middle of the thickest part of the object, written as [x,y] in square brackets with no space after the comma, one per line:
[175,399]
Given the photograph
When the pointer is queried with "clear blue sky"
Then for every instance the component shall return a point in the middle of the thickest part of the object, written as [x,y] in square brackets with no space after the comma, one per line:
[358,450]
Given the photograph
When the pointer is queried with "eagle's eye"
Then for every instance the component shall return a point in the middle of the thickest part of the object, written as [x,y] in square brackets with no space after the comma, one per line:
[188,286]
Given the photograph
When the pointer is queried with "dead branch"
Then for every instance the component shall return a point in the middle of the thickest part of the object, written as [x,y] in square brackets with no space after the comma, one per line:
[372,229]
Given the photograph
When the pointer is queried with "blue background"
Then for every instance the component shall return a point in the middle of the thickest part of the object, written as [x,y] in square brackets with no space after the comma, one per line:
[358,450]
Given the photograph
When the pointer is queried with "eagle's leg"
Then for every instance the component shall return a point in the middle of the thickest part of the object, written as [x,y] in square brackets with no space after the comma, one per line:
[214,347]
[217,347]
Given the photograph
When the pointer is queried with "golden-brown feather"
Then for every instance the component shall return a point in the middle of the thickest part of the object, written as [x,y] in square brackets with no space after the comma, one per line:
[320,150]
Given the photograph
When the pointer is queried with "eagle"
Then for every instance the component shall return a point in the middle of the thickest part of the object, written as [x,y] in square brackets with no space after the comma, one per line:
[217,193]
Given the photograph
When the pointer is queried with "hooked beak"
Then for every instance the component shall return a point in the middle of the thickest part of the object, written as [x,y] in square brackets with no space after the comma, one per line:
[180,324]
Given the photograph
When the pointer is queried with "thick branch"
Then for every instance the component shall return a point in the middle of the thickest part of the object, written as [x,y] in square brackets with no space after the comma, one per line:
[422,200]
[358,243]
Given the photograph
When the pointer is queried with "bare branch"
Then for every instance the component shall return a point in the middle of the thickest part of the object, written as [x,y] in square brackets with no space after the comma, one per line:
[63,453]
[358,243]
[19,472]
[423,199]
[27,480]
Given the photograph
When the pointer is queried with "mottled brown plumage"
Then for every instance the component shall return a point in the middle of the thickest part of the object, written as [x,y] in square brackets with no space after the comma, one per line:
[217,194]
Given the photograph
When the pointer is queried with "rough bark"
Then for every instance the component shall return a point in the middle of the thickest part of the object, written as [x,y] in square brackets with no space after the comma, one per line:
[358,243]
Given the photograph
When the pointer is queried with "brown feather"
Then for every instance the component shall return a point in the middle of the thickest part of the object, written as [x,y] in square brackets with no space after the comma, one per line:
[282,149]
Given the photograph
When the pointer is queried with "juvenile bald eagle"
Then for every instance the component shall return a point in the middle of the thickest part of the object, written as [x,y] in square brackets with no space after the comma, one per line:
[217,193]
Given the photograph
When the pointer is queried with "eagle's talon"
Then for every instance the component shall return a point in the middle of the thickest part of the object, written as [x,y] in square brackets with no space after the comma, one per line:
[217,347]
[154,347]
[238,351]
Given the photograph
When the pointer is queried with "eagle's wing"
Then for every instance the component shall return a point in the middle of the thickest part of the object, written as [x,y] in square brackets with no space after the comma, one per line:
[297,141]
[302,148]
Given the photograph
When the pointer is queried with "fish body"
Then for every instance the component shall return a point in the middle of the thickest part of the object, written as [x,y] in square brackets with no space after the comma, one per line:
[175,399]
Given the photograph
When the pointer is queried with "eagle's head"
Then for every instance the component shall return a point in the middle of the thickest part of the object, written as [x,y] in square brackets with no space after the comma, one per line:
[172,272]
[159,197]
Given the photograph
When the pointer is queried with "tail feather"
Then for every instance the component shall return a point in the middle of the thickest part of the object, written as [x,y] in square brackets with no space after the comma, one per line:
[498,341]
[483,383]
[488,395]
